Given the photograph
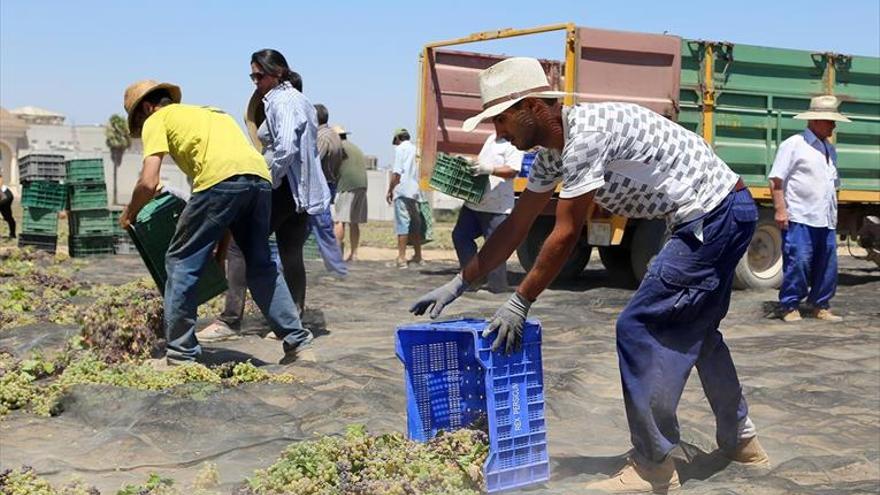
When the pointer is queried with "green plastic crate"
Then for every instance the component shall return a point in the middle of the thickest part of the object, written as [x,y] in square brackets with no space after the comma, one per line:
[90,245]
[85,171]
[152,233]
[452,176]
[44,194]
[88,196]
[84,222]
[118,231]
[40,221]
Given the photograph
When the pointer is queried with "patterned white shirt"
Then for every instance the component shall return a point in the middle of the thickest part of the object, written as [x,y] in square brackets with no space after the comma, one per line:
[808,169]
[639,163]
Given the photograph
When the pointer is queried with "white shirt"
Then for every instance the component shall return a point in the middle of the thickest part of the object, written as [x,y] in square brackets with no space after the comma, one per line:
[641,164]
[809,180]
[405,166]
[498,197]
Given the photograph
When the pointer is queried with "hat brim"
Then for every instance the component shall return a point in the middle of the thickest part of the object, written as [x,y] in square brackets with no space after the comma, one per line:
[254,116]
[470,124]
[822,116]
[173,90]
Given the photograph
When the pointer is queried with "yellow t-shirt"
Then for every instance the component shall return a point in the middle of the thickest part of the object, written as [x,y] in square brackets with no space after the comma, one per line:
[205,142]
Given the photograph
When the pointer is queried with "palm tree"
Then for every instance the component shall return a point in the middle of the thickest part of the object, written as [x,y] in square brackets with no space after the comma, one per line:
[118,141]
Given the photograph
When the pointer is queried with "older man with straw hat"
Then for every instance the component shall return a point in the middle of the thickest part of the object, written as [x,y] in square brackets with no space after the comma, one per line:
[639,164]
[232,190]
[804,183]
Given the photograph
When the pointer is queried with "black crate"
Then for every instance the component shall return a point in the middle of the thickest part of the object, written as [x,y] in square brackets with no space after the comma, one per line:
[42,167]
[39,241]
[90,245]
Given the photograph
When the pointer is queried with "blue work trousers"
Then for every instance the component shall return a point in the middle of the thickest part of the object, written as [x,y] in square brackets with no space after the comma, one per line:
[472,224]
[671,325]
[241,204]
[809,266]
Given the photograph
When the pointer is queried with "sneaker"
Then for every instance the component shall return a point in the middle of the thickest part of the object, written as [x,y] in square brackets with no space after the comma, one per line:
[826,315]
[637,477]
[303,352]
[750,453]
[791,315]
[217,332]
[165,364]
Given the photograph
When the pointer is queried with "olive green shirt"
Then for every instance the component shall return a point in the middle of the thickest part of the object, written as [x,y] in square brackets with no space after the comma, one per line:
[353,171]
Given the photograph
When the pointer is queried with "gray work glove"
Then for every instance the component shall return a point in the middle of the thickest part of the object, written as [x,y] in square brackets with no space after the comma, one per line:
[439,298]
[508,322]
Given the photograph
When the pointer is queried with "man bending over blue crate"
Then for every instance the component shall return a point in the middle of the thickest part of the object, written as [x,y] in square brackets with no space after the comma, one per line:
[638,164]
[232,190]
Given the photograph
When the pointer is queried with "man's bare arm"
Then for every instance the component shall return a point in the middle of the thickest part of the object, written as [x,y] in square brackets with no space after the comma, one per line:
[570,217]
[778,195]
[144,190]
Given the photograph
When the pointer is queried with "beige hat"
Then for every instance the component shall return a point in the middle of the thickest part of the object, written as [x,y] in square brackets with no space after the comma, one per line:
[254,116]
[136,92]
[823,108]
[338,129]
[508,82]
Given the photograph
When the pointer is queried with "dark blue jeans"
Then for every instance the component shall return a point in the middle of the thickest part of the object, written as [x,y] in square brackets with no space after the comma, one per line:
[809,266]
[241,204]
[671,325]
[472,224]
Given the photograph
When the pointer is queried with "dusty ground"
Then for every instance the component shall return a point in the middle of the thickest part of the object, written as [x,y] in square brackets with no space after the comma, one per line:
[814,390]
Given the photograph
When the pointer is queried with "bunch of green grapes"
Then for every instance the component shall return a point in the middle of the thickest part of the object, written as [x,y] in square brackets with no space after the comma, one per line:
[360,464]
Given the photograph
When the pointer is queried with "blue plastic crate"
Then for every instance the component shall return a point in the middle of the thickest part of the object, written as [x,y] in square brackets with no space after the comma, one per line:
[453,379]
[528,160]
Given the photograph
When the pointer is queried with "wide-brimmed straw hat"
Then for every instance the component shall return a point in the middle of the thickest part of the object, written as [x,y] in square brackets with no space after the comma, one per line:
[506,83]
[136,92]
[254,116]
[823,108]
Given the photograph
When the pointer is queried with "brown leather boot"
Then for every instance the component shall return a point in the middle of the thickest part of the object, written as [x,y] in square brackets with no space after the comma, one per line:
[637,477]
[750,453]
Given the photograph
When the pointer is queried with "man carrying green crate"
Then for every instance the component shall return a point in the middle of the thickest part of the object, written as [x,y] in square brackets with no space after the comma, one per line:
[232,190]
[638,164]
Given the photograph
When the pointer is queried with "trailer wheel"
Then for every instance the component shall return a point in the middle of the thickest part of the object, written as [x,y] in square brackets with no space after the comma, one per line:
[527,252]
[761,266]
[648,239]
[617,262]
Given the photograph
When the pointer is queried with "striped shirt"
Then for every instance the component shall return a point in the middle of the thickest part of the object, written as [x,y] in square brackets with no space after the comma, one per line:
[290,141]
[639,163]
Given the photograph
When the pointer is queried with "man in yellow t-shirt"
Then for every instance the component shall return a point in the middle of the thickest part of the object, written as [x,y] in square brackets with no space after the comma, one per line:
[232,190]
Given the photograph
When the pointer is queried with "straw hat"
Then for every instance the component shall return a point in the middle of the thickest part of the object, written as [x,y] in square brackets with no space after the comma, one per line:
[823,108]
[338,129]
[136,92]
[254,116]
[508,82]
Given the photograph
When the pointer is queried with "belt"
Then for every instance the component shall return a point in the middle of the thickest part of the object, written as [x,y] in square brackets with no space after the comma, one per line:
[740,185]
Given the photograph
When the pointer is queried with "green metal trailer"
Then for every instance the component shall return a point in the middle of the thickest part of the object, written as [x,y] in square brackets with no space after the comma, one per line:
[740,98]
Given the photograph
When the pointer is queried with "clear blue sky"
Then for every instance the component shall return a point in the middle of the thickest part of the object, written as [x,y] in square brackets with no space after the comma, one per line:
[358,58]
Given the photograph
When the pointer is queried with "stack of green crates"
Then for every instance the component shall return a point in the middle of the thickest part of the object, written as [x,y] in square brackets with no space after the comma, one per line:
[89,219]
[452,176]
[43,196]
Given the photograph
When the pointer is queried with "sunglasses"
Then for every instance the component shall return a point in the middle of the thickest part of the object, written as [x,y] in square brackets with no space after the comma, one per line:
[257,76]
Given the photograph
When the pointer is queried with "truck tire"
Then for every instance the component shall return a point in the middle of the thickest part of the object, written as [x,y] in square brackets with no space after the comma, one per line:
[648,239]
[761,266]
[618,264]
[527,252]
